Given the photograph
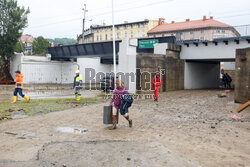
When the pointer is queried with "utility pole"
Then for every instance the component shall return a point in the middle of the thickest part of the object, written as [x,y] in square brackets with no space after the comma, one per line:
[113,29]
[83,21]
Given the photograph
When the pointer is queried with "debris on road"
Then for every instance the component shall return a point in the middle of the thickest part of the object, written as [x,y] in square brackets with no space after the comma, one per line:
[243,107]
[221,95]
[10,133]
[236,117]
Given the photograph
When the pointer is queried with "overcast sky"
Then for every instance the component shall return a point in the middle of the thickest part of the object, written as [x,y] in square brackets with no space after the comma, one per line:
[63,18]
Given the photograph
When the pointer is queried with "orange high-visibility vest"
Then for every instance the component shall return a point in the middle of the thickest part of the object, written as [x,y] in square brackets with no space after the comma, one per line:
[19,81]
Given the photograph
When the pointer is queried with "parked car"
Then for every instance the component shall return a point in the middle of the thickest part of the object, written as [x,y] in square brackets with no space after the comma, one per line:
[107,83]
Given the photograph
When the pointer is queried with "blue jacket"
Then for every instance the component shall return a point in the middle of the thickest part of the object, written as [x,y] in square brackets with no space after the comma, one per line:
[126,102]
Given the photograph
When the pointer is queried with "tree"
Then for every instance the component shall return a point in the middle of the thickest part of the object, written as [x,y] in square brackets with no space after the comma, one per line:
[40,46]
[20,47]
[13,19]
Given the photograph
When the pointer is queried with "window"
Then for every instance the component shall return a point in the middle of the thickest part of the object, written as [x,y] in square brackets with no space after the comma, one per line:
[143,33]
[97,37]
[100,37]
[202,38]
[106,37]
[126,35]
[138,25]
[111,36]
[218,31]
[118,35]
[202,31]
[138,33]
[223,31]
[132,34]
[191,32]
[143,25]
[162,35]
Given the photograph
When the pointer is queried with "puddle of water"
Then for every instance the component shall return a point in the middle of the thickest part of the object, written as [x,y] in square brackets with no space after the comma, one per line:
[65,129]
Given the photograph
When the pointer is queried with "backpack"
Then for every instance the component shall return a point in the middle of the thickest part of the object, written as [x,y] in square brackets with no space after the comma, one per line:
[129,99]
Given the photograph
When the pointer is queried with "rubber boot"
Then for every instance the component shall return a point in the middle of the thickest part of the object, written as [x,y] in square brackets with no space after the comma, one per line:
[27,98]
[129,121]
[78,97]
[114,121]
[14,99]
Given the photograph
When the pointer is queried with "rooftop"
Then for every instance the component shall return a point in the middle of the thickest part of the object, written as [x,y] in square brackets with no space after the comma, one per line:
[122,24]
[188,24]
[26,38]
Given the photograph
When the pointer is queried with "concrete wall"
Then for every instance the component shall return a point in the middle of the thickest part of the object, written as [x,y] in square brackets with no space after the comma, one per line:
[242,76]
[93,63]
[200,75]
[228,65]
[41,70]
[219,52]
[172,71]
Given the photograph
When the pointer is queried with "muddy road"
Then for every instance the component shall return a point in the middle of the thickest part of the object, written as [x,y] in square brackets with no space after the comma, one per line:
[185,128]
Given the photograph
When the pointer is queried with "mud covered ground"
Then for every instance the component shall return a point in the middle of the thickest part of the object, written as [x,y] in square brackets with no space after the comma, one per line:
[185,128]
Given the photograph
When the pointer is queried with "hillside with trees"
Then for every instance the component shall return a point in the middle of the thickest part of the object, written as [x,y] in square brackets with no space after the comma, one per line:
[63,41]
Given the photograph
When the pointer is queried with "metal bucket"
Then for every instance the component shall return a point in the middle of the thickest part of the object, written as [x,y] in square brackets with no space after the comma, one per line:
[107,115]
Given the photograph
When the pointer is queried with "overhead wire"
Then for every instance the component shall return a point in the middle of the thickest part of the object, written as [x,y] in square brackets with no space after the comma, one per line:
[126,9]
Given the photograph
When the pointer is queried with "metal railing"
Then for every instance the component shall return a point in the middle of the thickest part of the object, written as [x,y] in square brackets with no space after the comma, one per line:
[241,30]
[244,30]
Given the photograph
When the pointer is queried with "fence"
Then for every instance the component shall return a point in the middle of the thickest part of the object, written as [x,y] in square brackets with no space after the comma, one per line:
[210,34]
[244,30]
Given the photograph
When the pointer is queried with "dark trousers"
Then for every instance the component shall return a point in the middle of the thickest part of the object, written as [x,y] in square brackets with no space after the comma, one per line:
[18,90]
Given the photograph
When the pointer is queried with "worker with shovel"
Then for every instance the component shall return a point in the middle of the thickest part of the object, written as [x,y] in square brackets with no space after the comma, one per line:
[19,87]
[77,85]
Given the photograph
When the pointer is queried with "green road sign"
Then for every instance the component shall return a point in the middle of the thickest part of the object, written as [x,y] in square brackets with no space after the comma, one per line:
[148,43]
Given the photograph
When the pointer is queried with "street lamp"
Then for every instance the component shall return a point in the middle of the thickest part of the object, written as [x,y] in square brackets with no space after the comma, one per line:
[114,52]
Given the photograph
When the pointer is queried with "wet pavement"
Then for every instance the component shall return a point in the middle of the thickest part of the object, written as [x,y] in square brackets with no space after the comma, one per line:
[73,130]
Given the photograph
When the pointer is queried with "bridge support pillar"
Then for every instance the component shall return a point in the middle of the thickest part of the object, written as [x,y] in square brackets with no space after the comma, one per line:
[127,63]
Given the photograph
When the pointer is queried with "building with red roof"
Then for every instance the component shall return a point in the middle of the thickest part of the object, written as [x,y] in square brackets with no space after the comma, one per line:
[204,29]
[27,39]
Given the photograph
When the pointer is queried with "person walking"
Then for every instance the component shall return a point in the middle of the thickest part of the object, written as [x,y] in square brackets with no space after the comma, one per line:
[19,87]
[156,85]
[77,85]
[119,92]
[228,80]
[224,79]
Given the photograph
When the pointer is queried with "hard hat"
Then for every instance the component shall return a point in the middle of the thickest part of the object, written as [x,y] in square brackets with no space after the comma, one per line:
[18,71]
[77,72]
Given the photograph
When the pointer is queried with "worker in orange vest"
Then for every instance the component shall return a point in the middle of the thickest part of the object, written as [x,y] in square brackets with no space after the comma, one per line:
[19,87]
[156,81]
